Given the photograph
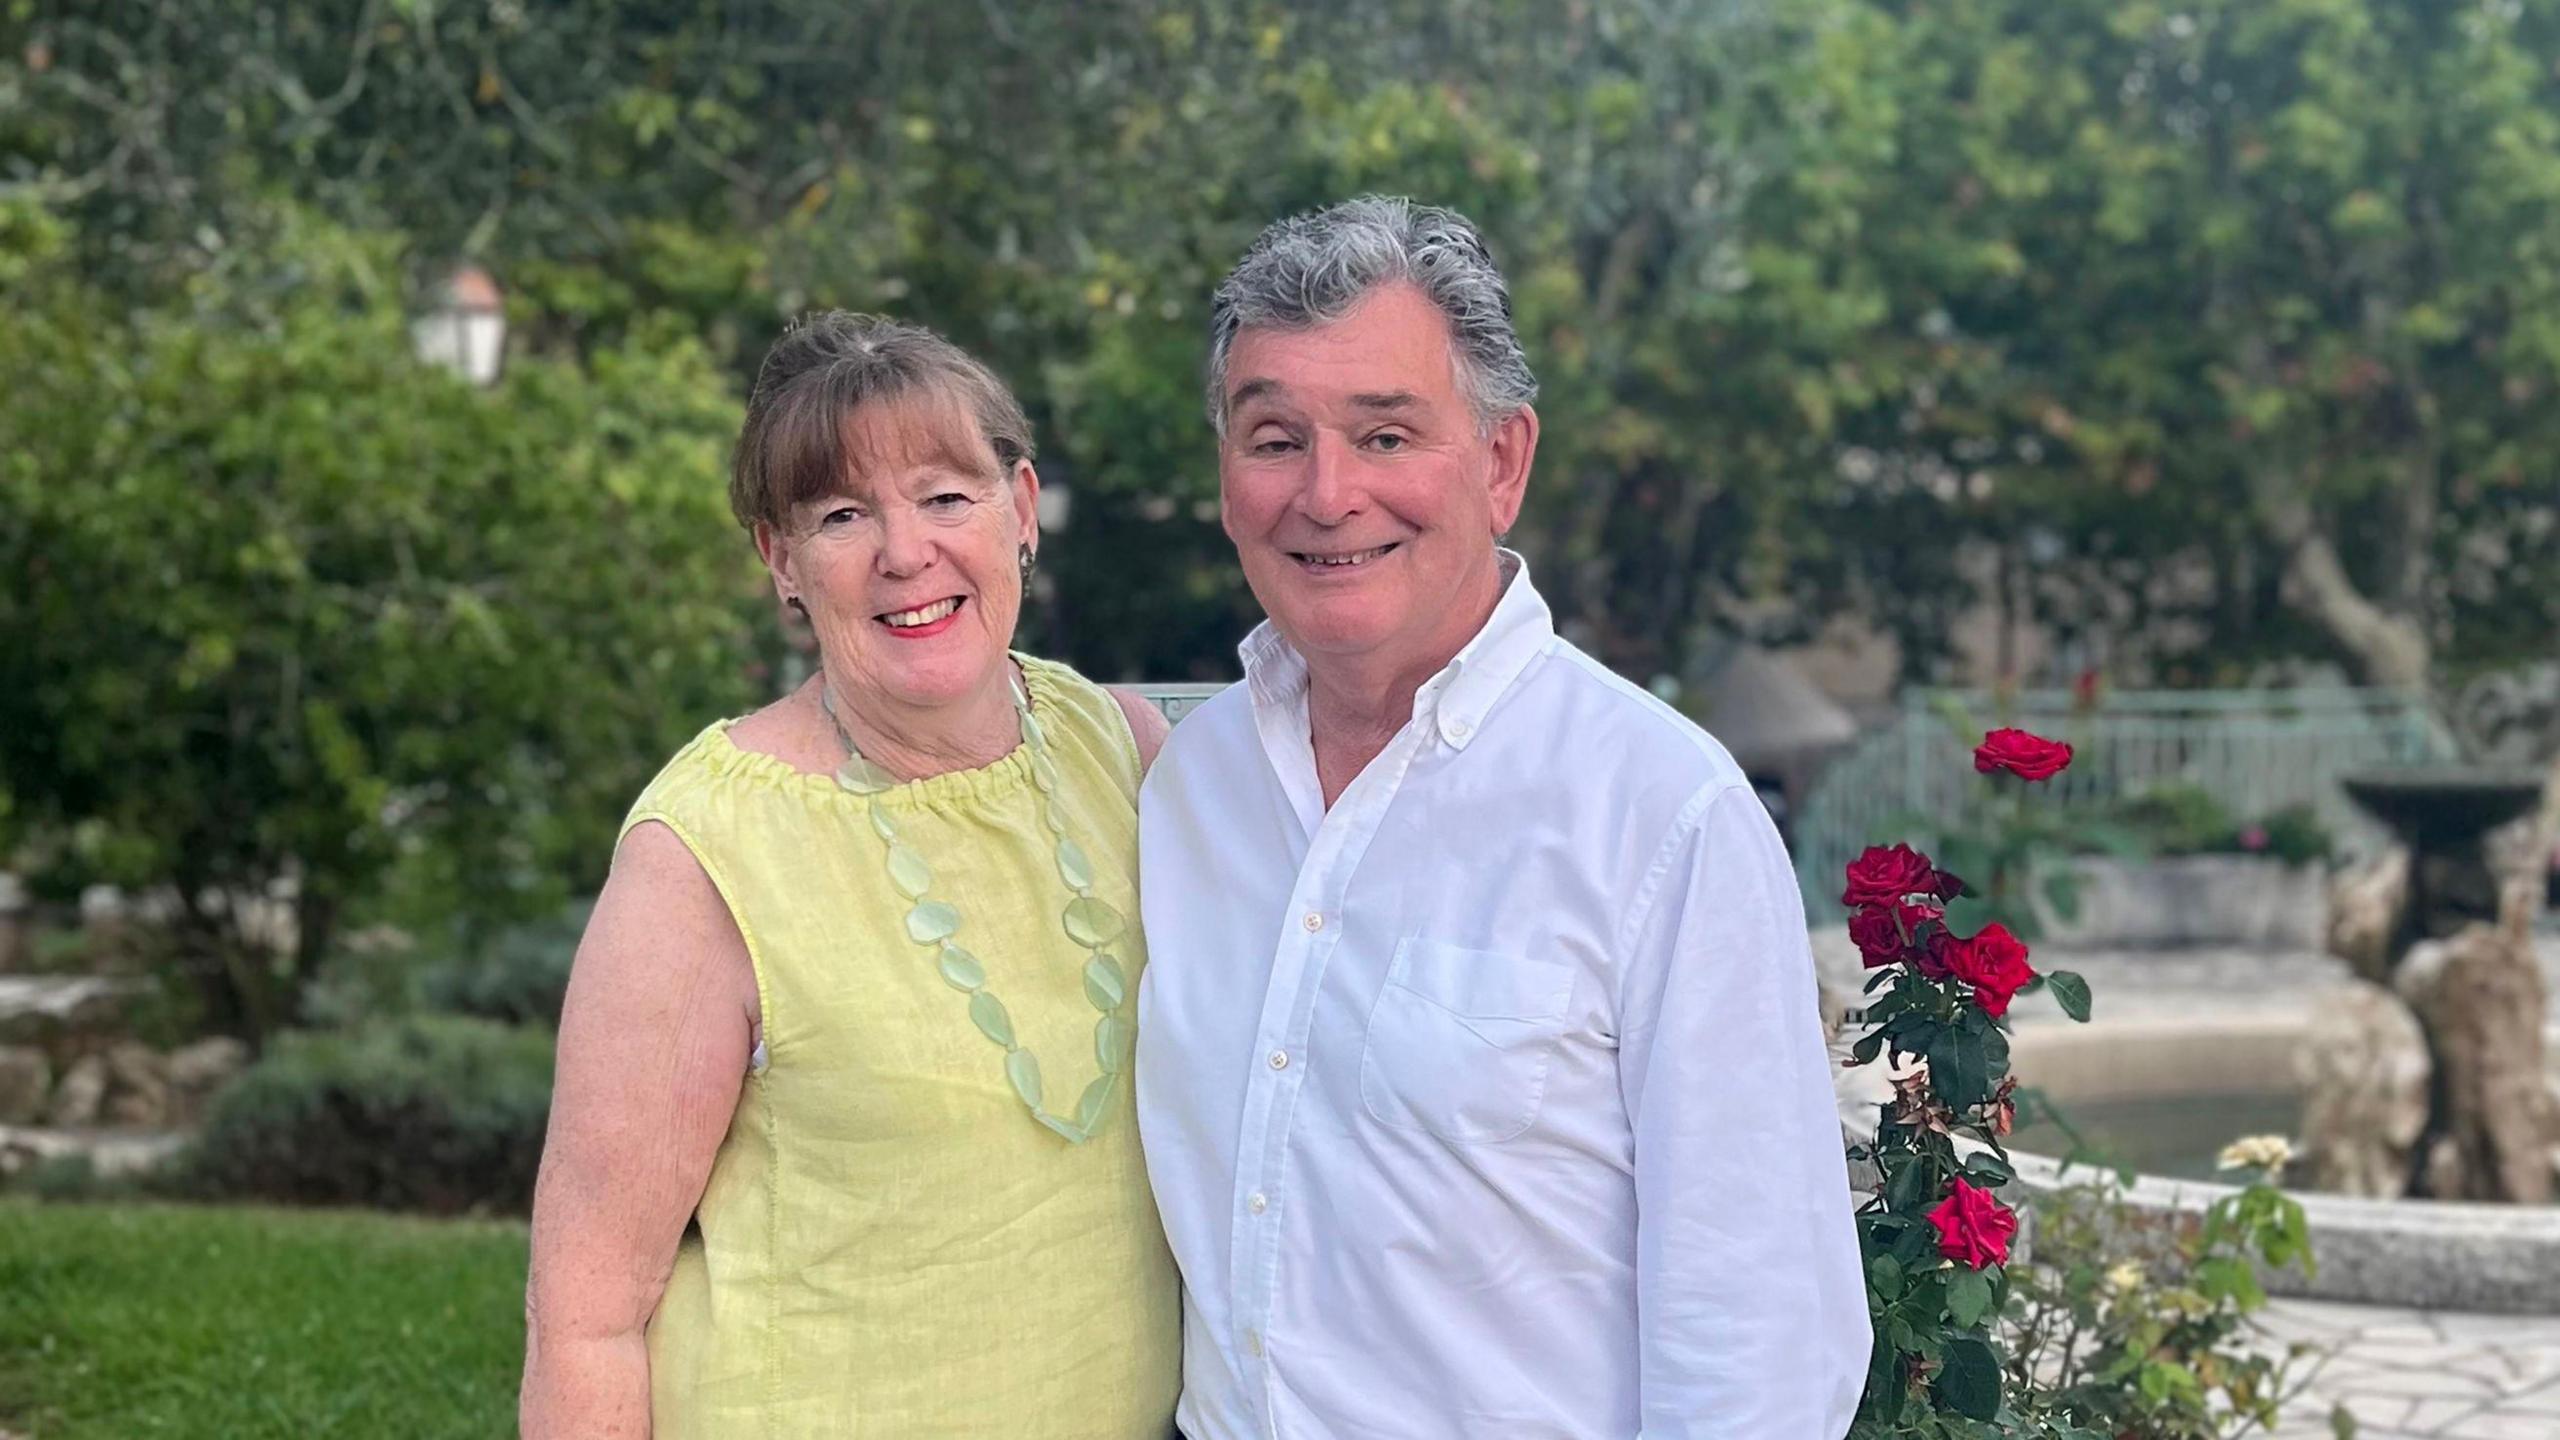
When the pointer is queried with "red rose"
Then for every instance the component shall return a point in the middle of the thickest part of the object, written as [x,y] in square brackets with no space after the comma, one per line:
[1884,933]
[1880,876]
[2029,757]
[1974,1228]
[1937,958]
[1994,963]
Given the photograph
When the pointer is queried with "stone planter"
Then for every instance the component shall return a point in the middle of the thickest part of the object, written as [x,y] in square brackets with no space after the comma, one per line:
[2178,900]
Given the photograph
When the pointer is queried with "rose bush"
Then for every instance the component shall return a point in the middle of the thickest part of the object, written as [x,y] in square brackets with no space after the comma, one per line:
[1935,1234]
[2103,1333]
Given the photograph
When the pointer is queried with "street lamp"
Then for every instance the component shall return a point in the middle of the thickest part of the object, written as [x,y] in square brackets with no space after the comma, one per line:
[466,332]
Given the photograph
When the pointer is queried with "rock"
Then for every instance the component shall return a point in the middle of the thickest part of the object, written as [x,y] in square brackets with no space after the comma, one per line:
[2479,995]
[2363,1070]
[137,1086]
[53,1010]
[82,1091]
[2367,904]
[198,1072]
[26,1079]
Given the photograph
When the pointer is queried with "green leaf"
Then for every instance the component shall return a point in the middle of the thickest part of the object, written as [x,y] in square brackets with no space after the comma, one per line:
[1969,1378]
[1968,1298]
[1988,1166]
[1956,1069]
[1867,1047]
[2062,892]
[2071,992]
[1884,1276]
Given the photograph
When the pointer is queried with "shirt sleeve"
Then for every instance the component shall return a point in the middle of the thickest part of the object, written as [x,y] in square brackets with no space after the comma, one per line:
[1751,1303]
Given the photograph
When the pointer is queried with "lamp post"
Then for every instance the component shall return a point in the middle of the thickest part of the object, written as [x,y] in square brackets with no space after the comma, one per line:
[466,332]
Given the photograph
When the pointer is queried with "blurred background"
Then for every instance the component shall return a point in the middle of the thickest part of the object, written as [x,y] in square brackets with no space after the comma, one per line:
[2185,373]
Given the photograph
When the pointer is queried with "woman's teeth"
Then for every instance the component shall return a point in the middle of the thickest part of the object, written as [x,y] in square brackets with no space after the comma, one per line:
[922,615]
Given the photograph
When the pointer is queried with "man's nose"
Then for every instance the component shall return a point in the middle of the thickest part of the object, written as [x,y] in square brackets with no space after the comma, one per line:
[1331,493]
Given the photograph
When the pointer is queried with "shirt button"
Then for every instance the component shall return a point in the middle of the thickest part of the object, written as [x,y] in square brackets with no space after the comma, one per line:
[1256,1203]
[1458,729]
[1279,1059]
[1314,922]
[1253,1342]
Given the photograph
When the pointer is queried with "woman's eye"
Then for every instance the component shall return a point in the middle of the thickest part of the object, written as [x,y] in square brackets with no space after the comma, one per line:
[841,515]
[948,500]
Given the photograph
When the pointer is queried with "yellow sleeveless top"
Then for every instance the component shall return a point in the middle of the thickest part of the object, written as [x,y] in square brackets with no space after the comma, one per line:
[889,1244]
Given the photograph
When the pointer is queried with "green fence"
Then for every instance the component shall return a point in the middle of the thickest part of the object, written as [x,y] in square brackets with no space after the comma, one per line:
[2257,751]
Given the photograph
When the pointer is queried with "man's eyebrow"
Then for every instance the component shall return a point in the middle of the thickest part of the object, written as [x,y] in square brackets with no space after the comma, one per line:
[1250,391]
[1387,400]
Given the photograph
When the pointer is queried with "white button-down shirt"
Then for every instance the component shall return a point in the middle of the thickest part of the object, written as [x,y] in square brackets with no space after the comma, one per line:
[1493,1101]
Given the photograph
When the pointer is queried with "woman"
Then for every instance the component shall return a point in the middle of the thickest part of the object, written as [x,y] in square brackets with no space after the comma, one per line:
[807,1174]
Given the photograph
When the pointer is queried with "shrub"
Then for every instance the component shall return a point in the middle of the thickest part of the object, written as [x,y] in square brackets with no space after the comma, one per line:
[516,974]
[440,1113]
[2130,1323]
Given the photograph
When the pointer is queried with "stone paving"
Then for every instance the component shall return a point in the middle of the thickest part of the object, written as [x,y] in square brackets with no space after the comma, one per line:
[2410,1373]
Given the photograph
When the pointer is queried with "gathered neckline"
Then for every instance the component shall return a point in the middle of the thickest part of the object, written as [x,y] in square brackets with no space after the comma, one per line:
[1006,774]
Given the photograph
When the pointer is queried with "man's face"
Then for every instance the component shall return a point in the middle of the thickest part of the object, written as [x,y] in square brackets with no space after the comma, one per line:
[1359,492]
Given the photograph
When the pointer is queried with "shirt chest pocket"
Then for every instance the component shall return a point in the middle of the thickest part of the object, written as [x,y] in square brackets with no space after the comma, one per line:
[1460,1040]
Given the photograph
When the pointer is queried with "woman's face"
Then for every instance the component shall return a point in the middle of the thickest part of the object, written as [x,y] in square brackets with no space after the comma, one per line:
[912,572]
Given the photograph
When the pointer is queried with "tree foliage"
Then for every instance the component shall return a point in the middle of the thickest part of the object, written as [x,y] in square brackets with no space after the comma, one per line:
[2226,328]
[287,606]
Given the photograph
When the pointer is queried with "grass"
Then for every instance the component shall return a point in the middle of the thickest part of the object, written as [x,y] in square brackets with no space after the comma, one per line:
[123,1321]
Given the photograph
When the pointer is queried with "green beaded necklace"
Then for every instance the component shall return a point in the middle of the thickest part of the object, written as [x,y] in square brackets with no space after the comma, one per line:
[1088,920]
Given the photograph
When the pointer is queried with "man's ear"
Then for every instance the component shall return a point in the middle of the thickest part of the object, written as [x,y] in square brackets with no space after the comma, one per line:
[1515,447]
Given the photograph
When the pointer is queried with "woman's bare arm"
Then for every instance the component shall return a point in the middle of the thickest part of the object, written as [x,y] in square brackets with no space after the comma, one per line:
[654,1040]
[1147,724]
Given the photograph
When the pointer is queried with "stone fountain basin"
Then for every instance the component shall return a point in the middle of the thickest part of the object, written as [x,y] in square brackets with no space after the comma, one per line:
[2424,1254]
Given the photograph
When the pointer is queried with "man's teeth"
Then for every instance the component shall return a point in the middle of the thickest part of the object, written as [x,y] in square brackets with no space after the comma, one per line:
[1356,557]
[925,615]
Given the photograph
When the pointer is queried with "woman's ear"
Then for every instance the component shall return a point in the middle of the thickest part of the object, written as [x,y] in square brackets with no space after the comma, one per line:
[775,548]
[1024,485]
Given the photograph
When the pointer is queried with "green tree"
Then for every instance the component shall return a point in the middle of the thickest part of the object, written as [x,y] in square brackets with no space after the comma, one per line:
[288,608]
[2249,309]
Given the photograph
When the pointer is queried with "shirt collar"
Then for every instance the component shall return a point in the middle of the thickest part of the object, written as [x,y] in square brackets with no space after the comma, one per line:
[1457,698]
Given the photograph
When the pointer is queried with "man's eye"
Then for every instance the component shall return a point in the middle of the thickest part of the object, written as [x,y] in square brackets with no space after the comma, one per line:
[1387,440]
[1277,445]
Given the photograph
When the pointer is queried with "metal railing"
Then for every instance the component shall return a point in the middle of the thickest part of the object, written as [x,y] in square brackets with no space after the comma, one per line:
[2257,751]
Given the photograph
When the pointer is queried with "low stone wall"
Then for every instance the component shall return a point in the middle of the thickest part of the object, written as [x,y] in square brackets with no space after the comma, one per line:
[2192,900]
[2425,1254]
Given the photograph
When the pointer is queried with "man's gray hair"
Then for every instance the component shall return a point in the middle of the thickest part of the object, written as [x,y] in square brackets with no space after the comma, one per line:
[1313,269]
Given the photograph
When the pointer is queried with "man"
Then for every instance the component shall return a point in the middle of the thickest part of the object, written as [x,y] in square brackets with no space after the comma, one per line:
[1479,1069]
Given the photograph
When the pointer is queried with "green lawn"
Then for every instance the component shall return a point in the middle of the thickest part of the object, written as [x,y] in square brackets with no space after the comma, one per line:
[126,1321]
